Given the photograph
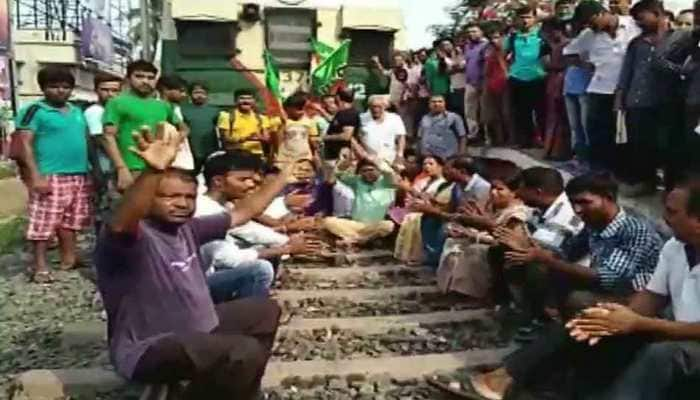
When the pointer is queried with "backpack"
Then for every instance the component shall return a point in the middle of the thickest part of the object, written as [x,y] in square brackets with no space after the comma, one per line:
[16,150]
[232,123]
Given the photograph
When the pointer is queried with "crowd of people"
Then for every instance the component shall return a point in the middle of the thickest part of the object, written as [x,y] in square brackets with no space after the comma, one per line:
[194,206]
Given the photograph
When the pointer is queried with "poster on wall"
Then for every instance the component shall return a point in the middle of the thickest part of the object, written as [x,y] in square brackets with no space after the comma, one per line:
[4,27]
[96,41]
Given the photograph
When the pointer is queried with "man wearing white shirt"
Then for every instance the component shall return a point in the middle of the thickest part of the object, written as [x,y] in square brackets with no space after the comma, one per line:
[106,87]
[663,355]
[232,271]
[602,48]
[383,134]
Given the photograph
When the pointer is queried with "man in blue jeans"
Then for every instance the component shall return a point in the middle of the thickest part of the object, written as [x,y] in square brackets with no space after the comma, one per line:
[232,271]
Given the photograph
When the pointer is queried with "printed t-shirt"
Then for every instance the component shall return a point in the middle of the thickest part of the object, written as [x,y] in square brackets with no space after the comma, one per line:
[129,112]
[294,143]
[60,144]
[153,285]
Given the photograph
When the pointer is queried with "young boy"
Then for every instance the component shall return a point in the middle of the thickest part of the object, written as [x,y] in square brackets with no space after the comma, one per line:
[297,139]
[55,155]
[127,113]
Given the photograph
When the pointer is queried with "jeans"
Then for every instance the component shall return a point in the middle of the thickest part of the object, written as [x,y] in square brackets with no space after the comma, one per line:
[247,279]
[577,112]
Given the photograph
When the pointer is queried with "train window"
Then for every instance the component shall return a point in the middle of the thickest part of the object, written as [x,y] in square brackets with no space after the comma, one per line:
[206,38]
[367,43]
[288,34]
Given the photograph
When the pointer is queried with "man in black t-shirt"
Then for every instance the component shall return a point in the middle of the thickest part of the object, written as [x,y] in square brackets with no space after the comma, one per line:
[343,127]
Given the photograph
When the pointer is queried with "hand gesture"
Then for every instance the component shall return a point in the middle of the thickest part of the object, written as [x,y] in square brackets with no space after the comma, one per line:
[159,152]
[298,200]
[606,319]
[40,185]
[515,239]
[472,209]
[375,60]
[303,244]
[124,179]
[522,256]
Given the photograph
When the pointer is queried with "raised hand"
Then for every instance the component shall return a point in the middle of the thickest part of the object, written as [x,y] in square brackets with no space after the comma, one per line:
[157,152]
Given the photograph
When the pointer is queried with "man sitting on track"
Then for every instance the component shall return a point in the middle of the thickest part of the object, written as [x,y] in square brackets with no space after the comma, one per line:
[163,325]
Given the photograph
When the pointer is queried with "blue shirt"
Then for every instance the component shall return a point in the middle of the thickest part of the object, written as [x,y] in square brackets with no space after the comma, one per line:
[440,134]
[527,53]
[60,141]
[624,254]
[576,80]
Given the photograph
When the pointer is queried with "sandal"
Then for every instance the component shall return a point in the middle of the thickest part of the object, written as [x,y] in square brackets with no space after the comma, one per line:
[42,277]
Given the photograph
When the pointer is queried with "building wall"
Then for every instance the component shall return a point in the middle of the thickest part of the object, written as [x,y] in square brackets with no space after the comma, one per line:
[33,51]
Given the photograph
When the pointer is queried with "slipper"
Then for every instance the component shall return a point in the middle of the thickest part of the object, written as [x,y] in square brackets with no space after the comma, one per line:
[42,277]
[490,395]
[464,393]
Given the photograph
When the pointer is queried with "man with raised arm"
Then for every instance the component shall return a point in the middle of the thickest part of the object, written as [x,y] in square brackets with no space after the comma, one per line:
[163,327]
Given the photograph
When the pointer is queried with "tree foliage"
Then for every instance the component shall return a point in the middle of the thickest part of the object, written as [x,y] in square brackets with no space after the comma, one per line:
[459,13]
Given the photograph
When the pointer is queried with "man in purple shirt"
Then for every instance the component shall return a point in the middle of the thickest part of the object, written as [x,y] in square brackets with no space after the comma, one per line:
[163,327]
[474,51]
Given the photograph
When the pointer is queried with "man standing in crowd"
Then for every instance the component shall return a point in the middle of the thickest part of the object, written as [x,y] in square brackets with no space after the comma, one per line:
[55,153]
[344,126]
[299,137]
[106,88]
[624,252]
[455,65]
[641,94]
[383,134]
[403,84]
[437,78]
[243,127]
[201,117]
[604,45]
[475,56]
[525,49]
[129,112]
[163,325]
[678,57]
[442,132]
[173,89]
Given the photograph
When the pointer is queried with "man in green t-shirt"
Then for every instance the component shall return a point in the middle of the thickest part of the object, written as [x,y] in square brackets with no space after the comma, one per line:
[374,192]
[201,117]
[436,77]
[127,113]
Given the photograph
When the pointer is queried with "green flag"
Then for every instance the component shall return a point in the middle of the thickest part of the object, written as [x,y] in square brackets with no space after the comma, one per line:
[321,49]
[328,71]
[272,75]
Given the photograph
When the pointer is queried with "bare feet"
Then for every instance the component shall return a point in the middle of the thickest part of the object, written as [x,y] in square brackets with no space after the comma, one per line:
[492,385]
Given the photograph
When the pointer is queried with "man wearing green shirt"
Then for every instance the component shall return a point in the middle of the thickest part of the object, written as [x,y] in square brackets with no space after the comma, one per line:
[374,194]
[524,48]
[127,113]
[436,77]
[201,117]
